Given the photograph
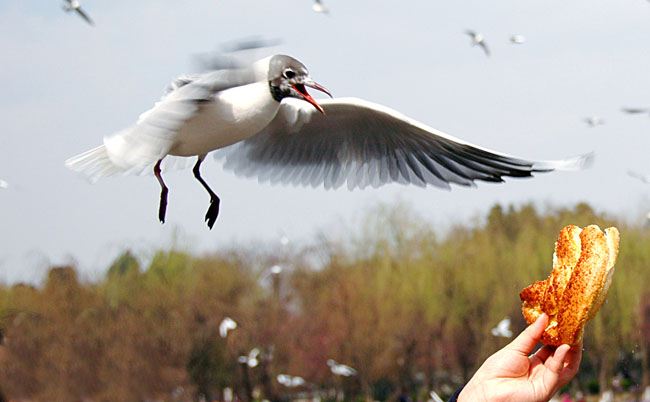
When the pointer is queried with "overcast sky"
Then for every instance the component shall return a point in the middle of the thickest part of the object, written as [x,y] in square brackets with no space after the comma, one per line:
[65,85]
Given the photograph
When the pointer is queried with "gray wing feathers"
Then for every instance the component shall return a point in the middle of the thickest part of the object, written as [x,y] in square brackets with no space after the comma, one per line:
[363,144]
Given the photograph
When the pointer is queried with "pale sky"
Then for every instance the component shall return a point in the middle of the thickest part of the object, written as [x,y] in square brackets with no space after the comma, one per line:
[66,85]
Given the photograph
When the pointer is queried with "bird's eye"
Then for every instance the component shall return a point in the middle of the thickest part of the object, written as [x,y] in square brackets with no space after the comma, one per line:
[289,74]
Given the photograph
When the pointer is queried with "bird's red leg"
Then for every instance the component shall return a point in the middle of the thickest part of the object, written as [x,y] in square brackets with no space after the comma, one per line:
[213,210]
[162,209]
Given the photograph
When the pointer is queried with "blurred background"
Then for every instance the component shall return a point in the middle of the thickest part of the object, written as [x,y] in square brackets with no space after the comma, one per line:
[403,284]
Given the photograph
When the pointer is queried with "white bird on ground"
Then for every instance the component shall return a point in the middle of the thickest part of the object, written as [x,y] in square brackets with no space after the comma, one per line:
[251,360]
[226,325]
[594,121]
[478,39]
[74,5]
[341,369]
[517,39]
[270,128]
[503,328]
[290,381]
[319,7]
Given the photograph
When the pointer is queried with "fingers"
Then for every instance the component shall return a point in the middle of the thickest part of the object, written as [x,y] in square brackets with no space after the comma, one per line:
[555,363]
[543,353]
[527,340]
[572,363]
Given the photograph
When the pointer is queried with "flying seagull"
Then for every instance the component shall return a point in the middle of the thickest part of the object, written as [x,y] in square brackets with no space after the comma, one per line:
[478,39]
[645,178]
[271,128]
[503,328]
[74,5]
[290,381]
[435,397]
[635,110]
[517,39]
[252,359]
[226,325]
[319,7]
[593,121]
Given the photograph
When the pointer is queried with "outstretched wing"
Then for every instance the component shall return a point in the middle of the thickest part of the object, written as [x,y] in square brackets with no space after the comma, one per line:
[361,143]
[85,16]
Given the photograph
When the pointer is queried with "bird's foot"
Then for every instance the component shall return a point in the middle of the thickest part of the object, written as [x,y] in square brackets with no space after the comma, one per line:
[162,209]
[213,211]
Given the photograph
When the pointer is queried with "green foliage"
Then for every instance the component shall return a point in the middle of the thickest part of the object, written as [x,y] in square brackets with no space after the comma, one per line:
[409,308]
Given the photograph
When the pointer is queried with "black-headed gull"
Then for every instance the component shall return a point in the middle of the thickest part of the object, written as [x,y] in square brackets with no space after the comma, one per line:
[594,121]
[269,127]
[478,39]
[645,178]
[433,395]
[252,359]
[503,328]
[636,110]
[226,325]
[517,39]
[319,7]
[341,369]
[290,381]
[74,5]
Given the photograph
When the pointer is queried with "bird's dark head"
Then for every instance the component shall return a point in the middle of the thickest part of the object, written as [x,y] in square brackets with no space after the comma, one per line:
[288,78]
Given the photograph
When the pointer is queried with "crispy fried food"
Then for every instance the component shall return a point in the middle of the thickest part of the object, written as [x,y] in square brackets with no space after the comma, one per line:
[583,265]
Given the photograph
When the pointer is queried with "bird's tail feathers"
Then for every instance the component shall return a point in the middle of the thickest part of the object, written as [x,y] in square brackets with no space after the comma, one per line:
[94,163]
[574,163]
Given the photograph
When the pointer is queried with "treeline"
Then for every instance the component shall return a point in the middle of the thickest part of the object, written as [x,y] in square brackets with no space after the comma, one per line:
[409,308]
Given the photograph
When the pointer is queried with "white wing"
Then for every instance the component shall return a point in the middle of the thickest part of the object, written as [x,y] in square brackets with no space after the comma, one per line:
[134,149]
[226,325]
[363,144]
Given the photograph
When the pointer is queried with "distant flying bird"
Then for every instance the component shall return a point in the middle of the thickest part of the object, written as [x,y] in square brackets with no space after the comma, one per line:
[270,128]
[290,381]
[250,360]
[635,110]
[594,121]
[503,328]
[341,369]
[3,184]
[517,39]
[435,397]
[319,7]
[74,5]
[645,178]
[227,325]
[478,39]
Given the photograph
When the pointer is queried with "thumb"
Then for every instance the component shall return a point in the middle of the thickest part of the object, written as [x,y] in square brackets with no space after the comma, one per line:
[527,340]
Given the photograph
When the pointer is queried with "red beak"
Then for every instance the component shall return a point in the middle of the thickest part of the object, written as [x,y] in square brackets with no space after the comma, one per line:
[303,91]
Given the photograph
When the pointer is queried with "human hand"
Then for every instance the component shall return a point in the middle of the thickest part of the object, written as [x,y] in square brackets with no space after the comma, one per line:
[512,375]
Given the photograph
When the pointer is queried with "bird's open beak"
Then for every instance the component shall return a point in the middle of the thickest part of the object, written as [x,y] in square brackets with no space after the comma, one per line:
[303,91]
